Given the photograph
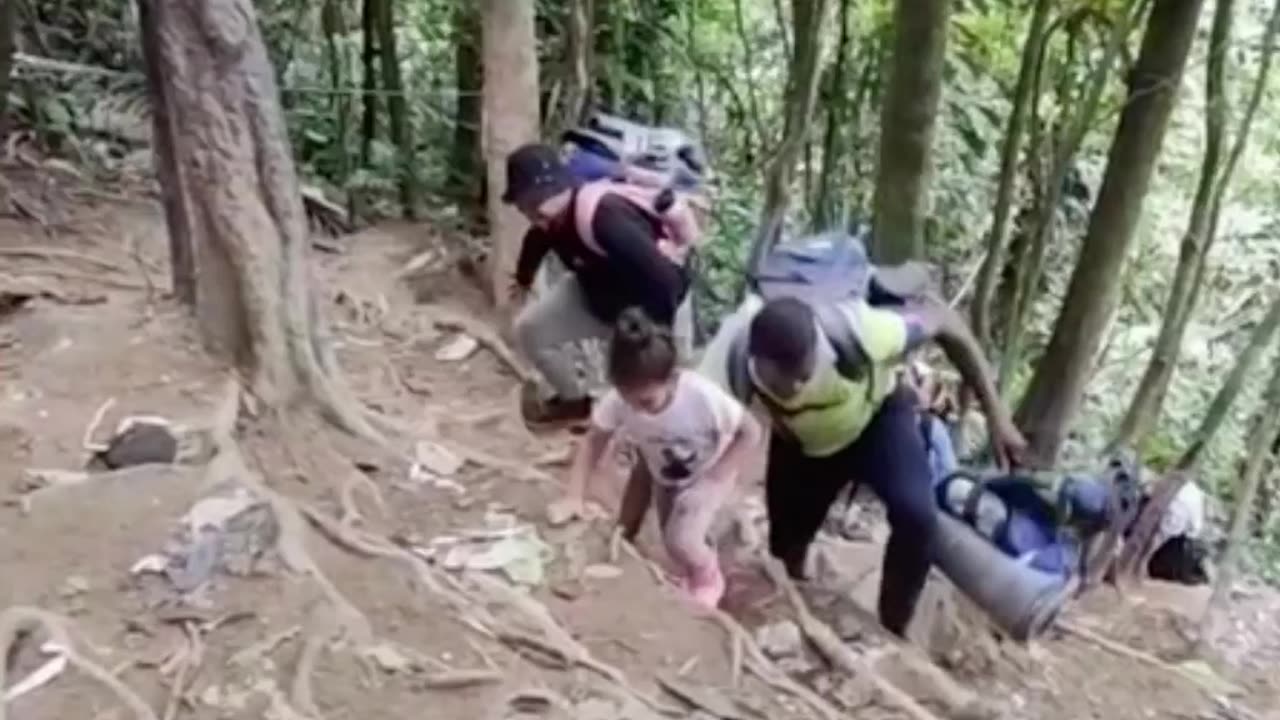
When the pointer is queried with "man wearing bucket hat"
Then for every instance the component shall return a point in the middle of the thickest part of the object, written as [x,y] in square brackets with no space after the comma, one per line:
[620,266]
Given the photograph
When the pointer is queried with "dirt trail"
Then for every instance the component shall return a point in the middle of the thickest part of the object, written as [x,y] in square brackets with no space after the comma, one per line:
[98,334]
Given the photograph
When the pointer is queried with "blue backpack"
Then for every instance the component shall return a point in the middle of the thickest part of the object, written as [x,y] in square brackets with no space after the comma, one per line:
[822,270]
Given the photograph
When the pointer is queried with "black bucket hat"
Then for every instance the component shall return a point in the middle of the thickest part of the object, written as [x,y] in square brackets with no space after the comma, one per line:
[534,174]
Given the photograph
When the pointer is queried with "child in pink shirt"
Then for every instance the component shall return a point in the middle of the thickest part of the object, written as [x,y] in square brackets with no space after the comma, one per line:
[693,439]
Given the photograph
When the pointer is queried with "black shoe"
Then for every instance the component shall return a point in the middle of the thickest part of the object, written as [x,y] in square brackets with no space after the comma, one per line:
[555,411]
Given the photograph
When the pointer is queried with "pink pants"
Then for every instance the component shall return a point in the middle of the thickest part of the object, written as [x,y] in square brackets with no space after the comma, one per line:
[685,515]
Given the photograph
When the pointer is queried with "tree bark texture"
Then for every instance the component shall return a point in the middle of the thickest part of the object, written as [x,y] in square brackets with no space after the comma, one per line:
[802,93]
[1057,387]
[578,46]
[908,118]
[401,125]
[181,254]
[510,120]
[231,164]
[836,96]
[466,166]
[1006,187]
[8,30]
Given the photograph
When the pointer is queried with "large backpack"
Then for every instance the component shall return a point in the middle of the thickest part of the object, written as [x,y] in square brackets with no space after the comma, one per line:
[660,171]
[823,270]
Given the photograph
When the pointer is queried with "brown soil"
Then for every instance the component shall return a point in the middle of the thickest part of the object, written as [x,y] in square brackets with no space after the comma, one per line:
[97,333]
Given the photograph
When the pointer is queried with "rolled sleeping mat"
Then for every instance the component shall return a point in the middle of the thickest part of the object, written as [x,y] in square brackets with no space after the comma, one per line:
[1021,600]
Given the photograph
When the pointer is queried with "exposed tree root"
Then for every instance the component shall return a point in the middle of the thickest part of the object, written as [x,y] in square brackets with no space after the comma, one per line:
[449,319]
[301,694]
[43,253]
[758,664]
[552,637]
[15,622]
[228,463]
[827,643]
[1214,685]
[460,679]
[192,657]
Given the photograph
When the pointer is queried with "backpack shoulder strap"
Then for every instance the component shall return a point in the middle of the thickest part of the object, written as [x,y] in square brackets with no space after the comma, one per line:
[586,200]
[590,194]
[851,361]
[738,370]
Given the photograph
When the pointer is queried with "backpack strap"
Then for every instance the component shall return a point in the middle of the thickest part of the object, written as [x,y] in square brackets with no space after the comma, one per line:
[851,361]
[738,370]
[668,210]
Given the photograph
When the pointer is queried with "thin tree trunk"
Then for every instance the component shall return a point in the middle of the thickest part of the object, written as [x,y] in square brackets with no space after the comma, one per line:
[748,63]
[832,149]
[8,28]
[1067,146]
[334,25]
[578,57]
[1215,176]
[231,161]
[700,83]
[802,93]
[181,259]
[510,120]
[401,125]
[1058,384]
[1258,458]
[368,98]
[466,166]
[369,57]
[1006,188]
[908,119]
[1220,406]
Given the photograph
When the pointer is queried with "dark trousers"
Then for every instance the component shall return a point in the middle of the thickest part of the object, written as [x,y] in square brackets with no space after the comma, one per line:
[889,456]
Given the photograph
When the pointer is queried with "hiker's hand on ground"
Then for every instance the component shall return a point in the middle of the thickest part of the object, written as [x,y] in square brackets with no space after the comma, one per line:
[565,510]
[1007,442]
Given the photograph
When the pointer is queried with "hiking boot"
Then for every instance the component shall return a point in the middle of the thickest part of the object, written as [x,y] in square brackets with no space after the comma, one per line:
[553,412]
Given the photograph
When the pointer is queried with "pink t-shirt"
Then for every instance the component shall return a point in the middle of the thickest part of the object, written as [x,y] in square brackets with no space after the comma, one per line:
[679,443]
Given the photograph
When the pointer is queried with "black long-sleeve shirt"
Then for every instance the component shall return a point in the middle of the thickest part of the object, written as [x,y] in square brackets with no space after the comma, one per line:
[631,272]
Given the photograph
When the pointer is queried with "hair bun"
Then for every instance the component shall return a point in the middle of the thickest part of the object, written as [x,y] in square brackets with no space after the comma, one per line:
[634,326]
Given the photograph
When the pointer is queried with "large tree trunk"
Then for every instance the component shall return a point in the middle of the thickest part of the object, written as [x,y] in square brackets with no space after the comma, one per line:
[510,120]
[181,259]
[1258,457]
[466,166]
[907,122]
[1006,188]
[1259,340]
[231,164]
[1058,384]
[1215,178]
[397,108]
[802,93]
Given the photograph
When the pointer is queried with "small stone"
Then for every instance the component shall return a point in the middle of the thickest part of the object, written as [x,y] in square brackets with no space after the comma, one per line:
[602,571]
[458,349]
[73,586]
[780,639]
